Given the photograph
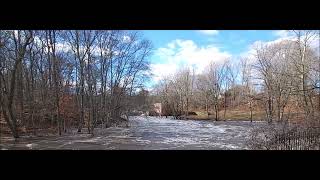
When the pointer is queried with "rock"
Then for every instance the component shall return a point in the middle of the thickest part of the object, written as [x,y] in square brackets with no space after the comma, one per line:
[119,122]
[192,113]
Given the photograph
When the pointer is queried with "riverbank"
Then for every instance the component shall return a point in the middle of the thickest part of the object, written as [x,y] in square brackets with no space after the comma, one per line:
[231,115]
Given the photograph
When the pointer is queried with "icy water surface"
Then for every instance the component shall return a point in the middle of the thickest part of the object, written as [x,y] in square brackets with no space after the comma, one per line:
[147,133]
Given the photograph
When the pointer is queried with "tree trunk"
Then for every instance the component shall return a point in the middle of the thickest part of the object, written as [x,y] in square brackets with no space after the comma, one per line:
[10,122]
[225,106]
[187,108]
[207,108]
[20,91]
[81,98]
[52,42]
[250,104]
[270,110]
[10,117]
[217,112]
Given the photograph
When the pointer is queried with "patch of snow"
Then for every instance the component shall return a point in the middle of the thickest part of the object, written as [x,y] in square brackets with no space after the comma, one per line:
[30,146]
[88,140]
[230,146]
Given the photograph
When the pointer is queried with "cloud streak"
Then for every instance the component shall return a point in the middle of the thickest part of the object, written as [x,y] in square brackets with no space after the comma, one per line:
[209,32]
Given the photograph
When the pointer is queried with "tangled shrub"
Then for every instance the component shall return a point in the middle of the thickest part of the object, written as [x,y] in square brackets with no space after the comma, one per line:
[280,136]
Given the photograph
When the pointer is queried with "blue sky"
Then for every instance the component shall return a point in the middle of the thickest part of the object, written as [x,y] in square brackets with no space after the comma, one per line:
[233,41]
[173,48]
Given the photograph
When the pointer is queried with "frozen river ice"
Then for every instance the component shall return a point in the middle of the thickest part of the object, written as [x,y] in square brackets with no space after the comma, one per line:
[149,133]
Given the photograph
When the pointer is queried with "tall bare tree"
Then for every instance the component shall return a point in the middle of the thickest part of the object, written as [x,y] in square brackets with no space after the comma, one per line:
[17,42]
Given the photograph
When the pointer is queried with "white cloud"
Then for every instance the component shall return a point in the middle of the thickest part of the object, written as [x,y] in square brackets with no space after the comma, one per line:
[185,52]
[171,45]
[281,33]
[63,47]
[126,39]
[162,70]
[209,32]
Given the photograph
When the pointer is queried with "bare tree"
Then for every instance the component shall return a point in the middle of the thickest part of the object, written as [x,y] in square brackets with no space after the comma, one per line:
[303,62]
[215,76]
[17,46]
[69,76]
[229,76]
[203,89]
[247,83]
[264,55]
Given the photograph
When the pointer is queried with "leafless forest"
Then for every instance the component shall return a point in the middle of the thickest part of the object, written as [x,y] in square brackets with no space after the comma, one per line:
[56,81]
[62,79]
[278,78]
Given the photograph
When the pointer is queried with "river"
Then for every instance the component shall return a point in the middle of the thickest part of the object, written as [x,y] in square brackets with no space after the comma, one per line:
[148,133]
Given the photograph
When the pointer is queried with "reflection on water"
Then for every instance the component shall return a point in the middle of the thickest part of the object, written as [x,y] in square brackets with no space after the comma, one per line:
[148,133]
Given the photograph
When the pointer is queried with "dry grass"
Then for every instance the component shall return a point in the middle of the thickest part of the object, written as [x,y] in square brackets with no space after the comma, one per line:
[242,113]
[235,114]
